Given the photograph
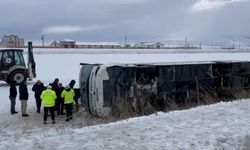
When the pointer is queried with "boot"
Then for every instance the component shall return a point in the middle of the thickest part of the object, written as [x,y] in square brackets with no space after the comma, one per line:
[14,112]
[25,115]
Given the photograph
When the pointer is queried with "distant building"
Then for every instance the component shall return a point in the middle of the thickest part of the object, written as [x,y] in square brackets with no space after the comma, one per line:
[67,43]
[98,45]
[12,41]
[73,44]
[55,44]
[152,45]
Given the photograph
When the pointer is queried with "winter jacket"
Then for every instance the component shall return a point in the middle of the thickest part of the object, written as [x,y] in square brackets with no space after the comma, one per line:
[38,89]
[13,91]
[68,95]
[77,93]
[48,96]
[59,93]
[23,92]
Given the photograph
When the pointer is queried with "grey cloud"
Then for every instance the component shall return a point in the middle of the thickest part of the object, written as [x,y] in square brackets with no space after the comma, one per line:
[101,20]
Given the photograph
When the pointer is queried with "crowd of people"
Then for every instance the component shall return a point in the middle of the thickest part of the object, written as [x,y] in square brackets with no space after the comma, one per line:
[55,98]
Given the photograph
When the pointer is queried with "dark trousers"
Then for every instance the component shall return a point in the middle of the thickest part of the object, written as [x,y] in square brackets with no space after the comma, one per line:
[38,104]
[12,104]
[52,113]
[69,109]
[59,106]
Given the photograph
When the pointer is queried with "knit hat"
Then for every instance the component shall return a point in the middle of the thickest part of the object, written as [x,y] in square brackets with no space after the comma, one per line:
[67,87]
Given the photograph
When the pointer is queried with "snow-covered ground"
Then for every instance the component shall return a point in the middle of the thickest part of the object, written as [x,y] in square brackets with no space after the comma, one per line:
[134,51]
[219,126]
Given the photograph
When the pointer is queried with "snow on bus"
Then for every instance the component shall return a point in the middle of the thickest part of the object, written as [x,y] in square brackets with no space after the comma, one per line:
[125,90]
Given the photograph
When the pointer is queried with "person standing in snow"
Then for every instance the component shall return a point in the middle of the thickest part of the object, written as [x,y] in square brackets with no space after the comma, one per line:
[59,100]
[48,97]
[54,84]
[23,96]
[38,88]
[77,93]
[12,96]
[76,98]
[72,84]
[68,95]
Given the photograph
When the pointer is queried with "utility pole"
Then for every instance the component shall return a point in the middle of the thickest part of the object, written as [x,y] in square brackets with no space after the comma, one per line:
[125,44]
[42,38]
[185,42]
[233,44]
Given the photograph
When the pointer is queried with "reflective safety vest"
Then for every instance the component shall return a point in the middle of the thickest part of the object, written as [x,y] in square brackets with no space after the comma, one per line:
[49,97]
[68,96]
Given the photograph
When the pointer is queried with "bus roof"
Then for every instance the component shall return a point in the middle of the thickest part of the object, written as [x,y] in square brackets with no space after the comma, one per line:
[167,63]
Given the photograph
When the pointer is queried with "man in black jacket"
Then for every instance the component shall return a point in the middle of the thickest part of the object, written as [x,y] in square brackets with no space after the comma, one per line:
[54,84]
[23,96]
[12,96]
[59,99]
[38,88]
[72,84]
[77,93]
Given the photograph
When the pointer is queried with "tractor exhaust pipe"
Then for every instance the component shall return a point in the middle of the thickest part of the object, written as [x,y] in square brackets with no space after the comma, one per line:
[31,63]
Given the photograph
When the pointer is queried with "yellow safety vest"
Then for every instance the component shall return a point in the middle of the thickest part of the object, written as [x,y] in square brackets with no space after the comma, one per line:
[68,96]
[49,97]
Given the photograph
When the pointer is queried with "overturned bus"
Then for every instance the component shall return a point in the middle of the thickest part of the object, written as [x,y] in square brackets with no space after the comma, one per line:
[124,90]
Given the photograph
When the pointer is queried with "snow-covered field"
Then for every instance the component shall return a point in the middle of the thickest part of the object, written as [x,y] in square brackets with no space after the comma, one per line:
[219,126]
[135,51]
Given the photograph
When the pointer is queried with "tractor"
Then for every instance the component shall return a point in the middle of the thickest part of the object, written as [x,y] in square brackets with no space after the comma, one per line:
[13,66]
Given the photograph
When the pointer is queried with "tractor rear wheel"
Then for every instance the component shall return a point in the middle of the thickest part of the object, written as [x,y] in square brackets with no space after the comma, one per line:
[18,76]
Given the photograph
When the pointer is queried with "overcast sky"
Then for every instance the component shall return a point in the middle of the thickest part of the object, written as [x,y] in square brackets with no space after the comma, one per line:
[111,20]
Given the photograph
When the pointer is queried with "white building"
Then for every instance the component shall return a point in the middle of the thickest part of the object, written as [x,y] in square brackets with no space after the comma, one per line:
[98,45]
[73,44]
[12,41]
[153,45]
[67,43]
[55,44]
